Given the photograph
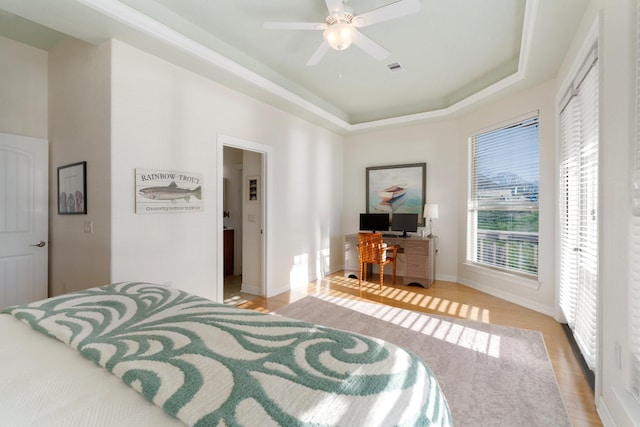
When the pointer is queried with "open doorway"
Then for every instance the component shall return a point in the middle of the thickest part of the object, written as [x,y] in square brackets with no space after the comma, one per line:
[240,167]
[243,198]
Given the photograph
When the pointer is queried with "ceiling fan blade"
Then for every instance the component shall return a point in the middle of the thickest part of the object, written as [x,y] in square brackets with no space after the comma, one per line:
[369,46]
[294,25]
[334,5]
[318,54]
[386,13]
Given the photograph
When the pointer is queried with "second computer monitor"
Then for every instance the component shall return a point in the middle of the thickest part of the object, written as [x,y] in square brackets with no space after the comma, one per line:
[405,222]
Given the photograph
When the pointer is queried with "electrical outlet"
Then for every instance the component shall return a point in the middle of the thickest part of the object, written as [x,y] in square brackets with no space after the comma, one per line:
[88,227]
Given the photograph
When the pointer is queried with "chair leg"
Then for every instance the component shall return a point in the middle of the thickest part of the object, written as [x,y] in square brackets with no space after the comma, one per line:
[394,271]
[360,276]
[381,275]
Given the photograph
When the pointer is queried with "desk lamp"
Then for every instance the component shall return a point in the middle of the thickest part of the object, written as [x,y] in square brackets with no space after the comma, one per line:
[431,212]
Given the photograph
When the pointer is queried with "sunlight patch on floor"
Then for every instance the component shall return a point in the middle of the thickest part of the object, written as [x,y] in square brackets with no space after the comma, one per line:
[461,335]
[407,296]
[237,300]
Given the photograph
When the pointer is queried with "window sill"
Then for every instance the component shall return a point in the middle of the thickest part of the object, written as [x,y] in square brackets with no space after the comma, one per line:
[528,281]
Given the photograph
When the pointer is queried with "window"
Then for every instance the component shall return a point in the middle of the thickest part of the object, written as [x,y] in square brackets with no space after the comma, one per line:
[578,207]
[503,198]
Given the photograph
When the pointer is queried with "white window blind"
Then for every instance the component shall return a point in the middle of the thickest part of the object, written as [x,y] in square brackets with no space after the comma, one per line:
[503,198]
[634,308]
[579,207]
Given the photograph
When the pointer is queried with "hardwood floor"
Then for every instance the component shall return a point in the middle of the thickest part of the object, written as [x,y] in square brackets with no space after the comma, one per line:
[453,299]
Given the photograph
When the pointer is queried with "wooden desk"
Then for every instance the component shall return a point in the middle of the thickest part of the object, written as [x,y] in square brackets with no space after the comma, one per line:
[416,261]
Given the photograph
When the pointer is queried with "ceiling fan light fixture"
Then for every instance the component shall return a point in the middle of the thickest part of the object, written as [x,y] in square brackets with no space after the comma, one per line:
[339,35]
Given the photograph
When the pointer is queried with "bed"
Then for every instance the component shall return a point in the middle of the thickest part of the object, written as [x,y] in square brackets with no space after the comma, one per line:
[141,354]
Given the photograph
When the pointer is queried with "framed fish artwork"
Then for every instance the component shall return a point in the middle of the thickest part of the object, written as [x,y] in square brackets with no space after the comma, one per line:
[162,191]
[72,189]
[397,188]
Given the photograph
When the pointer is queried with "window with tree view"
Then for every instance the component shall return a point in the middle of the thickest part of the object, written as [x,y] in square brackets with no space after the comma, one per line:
[503,198]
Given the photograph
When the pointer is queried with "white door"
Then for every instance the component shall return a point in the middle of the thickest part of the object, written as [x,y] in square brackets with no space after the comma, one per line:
[24,195]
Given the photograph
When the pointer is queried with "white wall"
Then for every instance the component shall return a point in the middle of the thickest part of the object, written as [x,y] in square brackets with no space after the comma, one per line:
[23,89]
[616,160]
[79,130]
[167,118]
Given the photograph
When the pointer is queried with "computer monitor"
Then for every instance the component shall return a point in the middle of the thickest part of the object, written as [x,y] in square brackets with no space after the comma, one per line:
[374,222]
[405,222]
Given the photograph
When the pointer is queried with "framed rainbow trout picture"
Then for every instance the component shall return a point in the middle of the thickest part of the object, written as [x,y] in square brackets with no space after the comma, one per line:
[162,191]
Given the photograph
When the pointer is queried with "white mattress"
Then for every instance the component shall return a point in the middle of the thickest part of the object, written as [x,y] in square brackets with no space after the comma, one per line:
[43,382]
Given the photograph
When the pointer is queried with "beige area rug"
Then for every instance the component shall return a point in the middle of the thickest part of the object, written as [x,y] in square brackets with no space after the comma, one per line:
[491,375]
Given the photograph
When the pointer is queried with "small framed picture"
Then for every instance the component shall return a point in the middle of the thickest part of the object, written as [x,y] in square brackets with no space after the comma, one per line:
[253,189]
[72,189]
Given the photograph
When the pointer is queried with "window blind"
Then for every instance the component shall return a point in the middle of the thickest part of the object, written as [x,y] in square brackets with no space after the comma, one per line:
[503,198]
[578,206]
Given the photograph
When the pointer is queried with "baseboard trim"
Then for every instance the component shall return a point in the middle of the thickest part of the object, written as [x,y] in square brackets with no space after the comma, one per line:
[445,278]
[254,290]
[605,415]
[549,311]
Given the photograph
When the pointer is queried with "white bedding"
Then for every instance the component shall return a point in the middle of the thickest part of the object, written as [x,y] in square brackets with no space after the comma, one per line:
[90,358]
[43,382]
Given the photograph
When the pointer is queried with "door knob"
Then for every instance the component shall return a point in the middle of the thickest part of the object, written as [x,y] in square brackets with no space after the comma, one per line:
[40,244]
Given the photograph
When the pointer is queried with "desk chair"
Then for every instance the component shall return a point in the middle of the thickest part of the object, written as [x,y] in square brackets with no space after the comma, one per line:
[372,250]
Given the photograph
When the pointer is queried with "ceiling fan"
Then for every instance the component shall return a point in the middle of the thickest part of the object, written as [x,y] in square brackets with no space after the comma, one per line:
[340,28]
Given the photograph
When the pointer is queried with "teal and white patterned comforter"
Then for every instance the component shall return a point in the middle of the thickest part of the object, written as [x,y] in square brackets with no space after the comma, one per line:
[210,364]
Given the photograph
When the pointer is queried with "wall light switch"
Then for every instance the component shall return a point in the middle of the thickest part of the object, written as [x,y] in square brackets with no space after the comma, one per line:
[251,218]
[88,227]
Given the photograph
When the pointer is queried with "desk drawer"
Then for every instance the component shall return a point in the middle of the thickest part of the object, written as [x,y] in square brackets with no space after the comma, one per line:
[416,248]
[351,255]
[417,265]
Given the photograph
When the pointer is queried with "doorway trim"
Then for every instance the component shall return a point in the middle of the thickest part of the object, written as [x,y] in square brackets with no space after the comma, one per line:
[230,141]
